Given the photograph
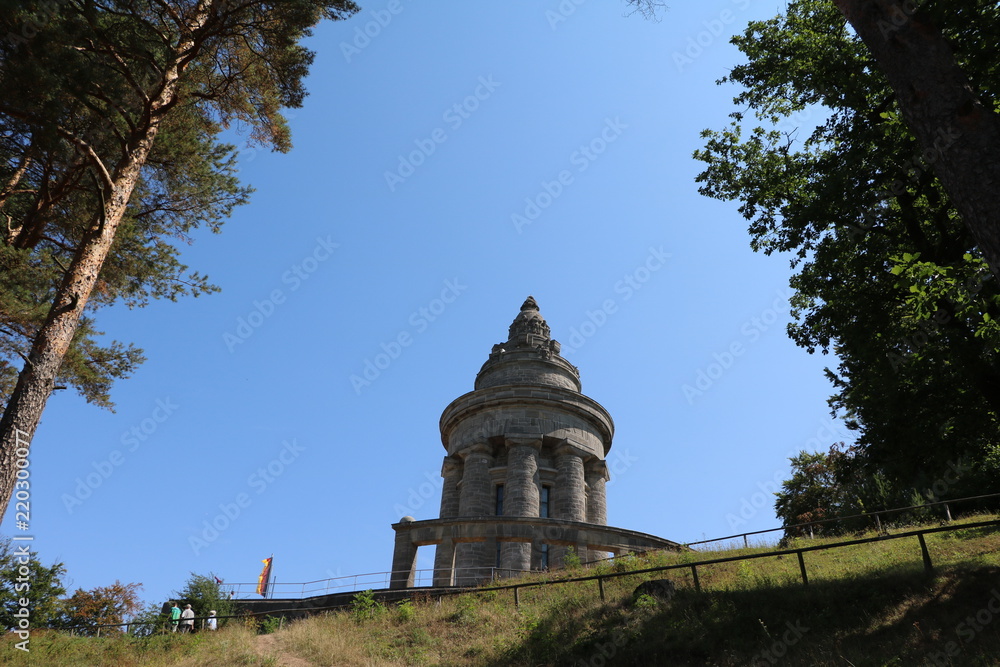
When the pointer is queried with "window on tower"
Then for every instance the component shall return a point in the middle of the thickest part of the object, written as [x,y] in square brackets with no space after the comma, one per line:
[499,503]
[543,503]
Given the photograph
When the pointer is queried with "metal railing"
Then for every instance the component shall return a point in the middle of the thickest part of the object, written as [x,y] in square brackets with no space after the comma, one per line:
[876,516]
[601,578]
[693,566]
[359,582]
[425,577]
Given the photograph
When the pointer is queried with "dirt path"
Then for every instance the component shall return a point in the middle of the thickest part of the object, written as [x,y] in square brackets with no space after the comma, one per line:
[268,645]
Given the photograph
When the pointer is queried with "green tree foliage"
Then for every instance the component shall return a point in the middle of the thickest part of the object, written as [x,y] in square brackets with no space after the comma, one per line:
[887,277]
[109,157]
[49,195]
[24,578]
[85,611]
[811,494]
[203,594]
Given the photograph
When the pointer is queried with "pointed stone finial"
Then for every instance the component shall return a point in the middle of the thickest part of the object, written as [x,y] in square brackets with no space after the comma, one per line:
[529,327]
[529,355]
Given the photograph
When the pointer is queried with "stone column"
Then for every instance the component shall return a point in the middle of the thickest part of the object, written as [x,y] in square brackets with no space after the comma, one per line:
[476,495]
[404,558]
[520,498]
[570,492]
[451,472]
[473,560]
[597,503]
[444,563]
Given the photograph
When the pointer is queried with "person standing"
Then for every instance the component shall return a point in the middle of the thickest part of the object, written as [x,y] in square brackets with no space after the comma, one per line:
[213,622]
[187,619]
[175,613]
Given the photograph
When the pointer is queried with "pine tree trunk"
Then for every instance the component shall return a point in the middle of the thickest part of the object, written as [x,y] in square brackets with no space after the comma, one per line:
[37,378]
[960,137]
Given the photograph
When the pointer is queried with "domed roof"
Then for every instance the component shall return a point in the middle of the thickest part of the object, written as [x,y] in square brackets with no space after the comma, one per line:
[529,356]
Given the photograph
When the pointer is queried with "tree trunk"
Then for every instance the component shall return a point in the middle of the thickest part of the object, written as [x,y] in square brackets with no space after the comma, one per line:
[37,378]
[959,136]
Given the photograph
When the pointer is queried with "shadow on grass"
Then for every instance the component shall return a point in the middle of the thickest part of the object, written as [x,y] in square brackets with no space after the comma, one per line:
[900,617]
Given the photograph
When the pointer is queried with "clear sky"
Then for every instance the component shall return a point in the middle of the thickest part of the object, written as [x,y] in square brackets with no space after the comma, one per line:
[447,164]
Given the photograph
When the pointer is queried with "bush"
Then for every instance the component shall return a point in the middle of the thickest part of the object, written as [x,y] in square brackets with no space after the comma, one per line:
[645,601]
[269,624]
[365,607]
[405,611]
[204,595]
[465,613]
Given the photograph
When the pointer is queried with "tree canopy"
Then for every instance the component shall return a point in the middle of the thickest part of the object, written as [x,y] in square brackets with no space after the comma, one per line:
[24,578]
[888,276]
[87,611]
[109,156]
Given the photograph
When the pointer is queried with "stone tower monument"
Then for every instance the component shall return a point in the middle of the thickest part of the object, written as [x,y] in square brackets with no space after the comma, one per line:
[525,473]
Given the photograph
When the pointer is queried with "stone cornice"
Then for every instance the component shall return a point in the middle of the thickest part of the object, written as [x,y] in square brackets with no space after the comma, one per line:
[473,529]
[556,399]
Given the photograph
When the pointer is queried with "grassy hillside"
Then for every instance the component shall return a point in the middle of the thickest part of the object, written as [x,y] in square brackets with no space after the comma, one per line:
[869,604]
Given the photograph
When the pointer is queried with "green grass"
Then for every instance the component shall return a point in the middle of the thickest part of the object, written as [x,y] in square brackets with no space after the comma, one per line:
[869,604]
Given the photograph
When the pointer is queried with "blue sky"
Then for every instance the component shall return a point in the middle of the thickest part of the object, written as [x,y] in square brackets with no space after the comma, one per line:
[448,162]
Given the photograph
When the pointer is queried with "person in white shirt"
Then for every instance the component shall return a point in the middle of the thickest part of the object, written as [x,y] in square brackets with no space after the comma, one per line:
[187,619]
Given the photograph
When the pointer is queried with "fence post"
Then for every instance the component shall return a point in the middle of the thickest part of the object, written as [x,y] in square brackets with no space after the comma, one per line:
[745,543]
[947,512]
[517,598]
[694,573]
[878,524]
[928,567]
[600,585]
[802,569]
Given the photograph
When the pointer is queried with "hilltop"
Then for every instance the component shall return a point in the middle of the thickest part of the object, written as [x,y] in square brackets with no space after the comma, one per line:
[869,604]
